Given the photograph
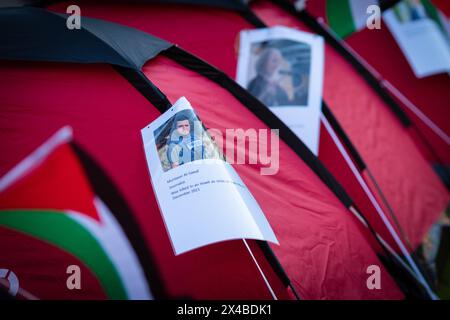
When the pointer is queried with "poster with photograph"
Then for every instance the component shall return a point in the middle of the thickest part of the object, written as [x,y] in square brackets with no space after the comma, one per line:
[421,31]
[283,68]
[201,197]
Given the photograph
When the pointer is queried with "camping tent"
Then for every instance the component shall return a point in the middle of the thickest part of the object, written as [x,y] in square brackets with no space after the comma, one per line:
[108,90]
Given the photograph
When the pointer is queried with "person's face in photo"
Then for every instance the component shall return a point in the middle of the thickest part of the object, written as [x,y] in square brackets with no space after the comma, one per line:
[273,62]
[183,127]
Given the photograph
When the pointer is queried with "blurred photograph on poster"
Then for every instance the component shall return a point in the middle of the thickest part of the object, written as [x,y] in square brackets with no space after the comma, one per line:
[283,68]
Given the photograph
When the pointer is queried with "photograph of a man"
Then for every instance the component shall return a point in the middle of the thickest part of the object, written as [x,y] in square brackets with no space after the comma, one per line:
[184,145]
[280,76]
[265,86]
[183,139]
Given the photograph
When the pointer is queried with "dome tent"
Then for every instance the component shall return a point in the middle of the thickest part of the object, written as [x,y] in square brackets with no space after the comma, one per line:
[60,93]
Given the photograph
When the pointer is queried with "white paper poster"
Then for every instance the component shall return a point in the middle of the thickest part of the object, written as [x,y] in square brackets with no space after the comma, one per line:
[201,197]
[422,37]
[283,68]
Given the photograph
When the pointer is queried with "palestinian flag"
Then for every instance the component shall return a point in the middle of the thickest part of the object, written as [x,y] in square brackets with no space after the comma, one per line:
[347,16]
[54,215]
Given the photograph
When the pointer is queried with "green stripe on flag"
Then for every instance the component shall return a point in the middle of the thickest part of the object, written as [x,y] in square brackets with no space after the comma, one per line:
[339,16]
[62,231]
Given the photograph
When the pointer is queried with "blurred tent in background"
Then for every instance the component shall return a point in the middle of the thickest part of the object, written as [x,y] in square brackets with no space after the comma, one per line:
[310,212]
[424,100]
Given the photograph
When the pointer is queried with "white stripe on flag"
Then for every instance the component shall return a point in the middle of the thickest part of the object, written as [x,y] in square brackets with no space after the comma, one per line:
[359,12]
[116,245]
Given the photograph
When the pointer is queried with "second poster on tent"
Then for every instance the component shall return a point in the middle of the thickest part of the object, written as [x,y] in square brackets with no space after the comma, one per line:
[283,68]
